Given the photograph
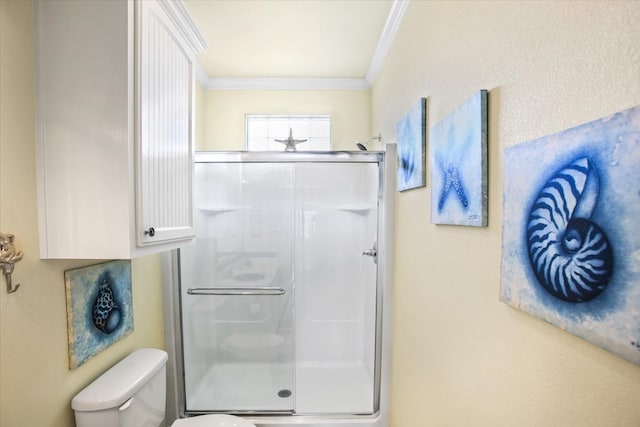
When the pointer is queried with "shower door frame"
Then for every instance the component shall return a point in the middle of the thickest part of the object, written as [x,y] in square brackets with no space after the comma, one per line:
[176,399]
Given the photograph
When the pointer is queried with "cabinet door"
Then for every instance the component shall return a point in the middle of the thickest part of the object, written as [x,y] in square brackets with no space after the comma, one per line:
[165,133]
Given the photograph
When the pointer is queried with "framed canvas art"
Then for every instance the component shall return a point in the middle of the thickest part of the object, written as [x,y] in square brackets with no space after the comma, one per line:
[458,156]
[570,244]
[99,308]
[412,140]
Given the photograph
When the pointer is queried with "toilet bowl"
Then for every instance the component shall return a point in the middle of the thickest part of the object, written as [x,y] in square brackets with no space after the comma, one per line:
[133,393]
[212,420]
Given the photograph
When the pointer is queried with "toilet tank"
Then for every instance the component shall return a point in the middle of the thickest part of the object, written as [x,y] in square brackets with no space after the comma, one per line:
[130,394]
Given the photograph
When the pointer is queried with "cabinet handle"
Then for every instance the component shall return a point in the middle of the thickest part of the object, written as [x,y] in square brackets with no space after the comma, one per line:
[150,232]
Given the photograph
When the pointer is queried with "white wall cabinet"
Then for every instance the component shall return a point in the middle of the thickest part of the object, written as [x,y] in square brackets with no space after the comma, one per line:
[115,85]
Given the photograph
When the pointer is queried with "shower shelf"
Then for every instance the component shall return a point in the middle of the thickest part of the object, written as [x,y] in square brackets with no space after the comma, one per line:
[216,210]
[355,208]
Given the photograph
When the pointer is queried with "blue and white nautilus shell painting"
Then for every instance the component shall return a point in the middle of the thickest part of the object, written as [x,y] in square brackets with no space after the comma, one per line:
[99,308]
[458,153]
[570,246]
[412,140]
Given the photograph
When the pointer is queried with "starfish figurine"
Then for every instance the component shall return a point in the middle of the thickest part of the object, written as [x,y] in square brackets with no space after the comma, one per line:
[290,143]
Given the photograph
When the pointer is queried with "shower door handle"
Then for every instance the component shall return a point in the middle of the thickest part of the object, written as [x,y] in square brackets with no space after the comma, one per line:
[263,290]
[373,252]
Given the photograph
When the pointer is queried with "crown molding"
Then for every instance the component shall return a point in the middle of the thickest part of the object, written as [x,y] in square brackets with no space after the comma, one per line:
[284,83]
[180,15]
[396,13]
[201,75]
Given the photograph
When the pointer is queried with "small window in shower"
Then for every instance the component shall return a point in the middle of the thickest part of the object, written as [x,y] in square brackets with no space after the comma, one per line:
[280,132]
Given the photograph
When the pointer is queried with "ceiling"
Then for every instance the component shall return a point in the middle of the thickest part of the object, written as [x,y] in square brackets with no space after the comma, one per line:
[292,39]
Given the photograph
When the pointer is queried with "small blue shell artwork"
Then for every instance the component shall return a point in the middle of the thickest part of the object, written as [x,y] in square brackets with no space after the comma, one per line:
[411,134]
[570,252]
[458,153]
[106,312]
[99,308]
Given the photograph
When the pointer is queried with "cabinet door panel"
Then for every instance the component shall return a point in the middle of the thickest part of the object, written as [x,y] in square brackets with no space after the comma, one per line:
[165,138]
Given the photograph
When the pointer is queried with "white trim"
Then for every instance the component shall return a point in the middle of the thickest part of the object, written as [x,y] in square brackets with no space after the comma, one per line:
[396,13]
[386,38]
[201,75]
[277,83]
[180,15]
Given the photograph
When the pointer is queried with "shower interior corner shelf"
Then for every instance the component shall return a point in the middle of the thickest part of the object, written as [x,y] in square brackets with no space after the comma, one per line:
[359,209]
[216,210]
[356,209]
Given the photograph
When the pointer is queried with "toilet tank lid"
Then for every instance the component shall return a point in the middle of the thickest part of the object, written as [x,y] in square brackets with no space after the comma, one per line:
[120,382]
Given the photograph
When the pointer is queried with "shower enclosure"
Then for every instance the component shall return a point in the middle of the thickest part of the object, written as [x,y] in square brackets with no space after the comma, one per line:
[278,311]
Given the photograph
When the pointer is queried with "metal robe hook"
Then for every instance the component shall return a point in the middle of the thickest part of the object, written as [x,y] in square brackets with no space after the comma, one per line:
[8,257]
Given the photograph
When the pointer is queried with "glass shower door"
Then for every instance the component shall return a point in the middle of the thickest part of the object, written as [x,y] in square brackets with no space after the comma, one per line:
[237,290]
[336,287]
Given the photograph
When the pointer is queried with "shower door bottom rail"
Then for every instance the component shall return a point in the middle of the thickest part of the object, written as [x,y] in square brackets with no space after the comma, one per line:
[263,290]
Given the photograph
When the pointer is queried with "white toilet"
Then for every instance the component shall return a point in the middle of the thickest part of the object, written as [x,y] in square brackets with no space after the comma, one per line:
[133,394]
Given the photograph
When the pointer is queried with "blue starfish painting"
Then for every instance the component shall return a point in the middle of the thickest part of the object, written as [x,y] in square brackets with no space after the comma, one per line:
[411,147]
[458,148]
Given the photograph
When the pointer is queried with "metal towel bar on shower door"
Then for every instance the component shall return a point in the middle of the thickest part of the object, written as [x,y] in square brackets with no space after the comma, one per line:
[263,290]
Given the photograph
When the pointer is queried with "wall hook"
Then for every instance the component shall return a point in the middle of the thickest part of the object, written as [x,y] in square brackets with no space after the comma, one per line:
[8,257]
[378,137]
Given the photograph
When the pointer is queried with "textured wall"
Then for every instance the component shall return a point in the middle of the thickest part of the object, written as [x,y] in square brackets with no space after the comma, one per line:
[461,357]
[36,385]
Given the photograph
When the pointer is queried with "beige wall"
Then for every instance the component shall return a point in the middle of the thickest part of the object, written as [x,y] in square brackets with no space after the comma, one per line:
[224,117]
[199,121]
[461,357]
[36,385]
